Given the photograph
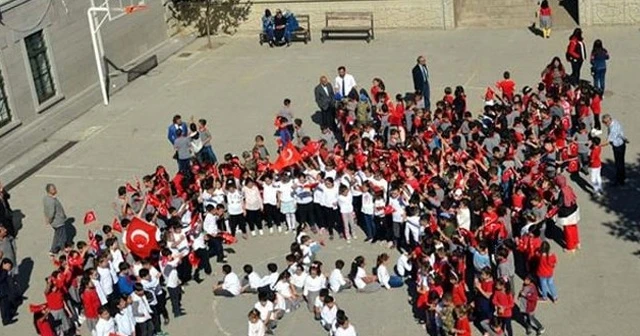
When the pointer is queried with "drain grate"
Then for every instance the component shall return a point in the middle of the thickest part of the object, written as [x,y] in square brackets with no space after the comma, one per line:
[185,55]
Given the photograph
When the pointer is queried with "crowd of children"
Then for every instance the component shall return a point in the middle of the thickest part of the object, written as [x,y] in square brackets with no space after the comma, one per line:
[470,202]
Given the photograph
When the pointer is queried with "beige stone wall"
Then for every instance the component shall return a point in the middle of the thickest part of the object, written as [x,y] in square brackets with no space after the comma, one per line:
[434,14]
[609,12]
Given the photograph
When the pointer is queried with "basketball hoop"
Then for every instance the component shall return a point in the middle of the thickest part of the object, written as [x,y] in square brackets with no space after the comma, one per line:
[134,8]
[99,13]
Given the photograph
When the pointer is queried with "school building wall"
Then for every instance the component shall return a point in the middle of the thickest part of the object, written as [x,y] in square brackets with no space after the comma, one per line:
[609,12]
[66,33]
[435,14]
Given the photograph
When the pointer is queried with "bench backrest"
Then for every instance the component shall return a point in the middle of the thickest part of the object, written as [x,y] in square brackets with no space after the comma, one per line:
[349,16]
[304,21]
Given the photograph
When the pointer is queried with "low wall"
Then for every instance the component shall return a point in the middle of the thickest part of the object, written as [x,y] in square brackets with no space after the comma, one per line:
[434,14]
[609,12]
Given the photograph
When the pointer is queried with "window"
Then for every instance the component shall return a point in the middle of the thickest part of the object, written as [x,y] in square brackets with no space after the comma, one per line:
[40,66]
[5,112]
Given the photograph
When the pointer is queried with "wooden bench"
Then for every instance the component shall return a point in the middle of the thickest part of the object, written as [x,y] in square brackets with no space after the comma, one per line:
[303,33]
[358,25]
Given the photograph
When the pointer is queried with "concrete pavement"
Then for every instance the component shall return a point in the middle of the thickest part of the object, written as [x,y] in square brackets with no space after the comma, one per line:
[239,87]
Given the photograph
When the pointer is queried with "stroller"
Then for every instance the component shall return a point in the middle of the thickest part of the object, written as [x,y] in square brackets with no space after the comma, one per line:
[278,35]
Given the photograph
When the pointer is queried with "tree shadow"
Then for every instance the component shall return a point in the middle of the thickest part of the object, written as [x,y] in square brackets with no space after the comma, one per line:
[571,6]
[622,202]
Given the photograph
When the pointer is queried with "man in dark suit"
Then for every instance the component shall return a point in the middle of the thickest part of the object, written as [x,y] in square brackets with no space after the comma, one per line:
[325,98]
[420,74]
[177,124]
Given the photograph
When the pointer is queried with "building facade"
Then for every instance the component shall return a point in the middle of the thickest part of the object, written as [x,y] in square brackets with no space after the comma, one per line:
[47,64]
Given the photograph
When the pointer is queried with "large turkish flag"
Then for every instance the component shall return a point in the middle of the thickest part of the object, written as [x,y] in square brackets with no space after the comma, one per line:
[141,238]
[288,157]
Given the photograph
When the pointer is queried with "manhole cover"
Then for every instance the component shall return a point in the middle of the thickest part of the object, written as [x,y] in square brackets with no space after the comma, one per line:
[185,55]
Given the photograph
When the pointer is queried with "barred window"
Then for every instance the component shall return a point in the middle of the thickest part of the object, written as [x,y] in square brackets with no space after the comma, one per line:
[5,112]
[40,66]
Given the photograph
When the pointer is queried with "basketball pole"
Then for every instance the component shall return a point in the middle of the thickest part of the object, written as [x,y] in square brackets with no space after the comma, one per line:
[98,48]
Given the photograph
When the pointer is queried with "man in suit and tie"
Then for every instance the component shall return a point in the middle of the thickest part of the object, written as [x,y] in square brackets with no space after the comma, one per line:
[325,98]
[421,80]
[177,124]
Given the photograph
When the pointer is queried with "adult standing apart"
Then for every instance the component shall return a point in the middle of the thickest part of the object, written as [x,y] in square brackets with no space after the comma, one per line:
[576,53]
[618,142]
[325,99]
[568,214]
[174,127]
[420,74]
[182,145]
[55,216]
[6,214]
[599,57]
[344,82]
[7,247]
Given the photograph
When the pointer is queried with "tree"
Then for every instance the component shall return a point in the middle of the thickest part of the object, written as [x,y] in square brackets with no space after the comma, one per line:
[211,17]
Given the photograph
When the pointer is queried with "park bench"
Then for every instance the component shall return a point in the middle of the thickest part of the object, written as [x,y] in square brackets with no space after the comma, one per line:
[348,25]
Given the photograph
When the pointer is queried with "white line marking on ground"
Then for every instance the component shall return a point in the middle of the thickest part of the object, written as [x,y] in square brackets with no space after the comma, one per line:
[115,169]
[216,321]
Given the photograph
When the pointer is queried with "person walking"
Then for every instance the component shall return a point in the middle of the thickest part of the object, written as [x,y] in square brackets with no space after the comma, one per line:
[55,217]
[545,18]
[174,127]
[599,58]
[576,53]
[420,74]
[325,98]
[618,142]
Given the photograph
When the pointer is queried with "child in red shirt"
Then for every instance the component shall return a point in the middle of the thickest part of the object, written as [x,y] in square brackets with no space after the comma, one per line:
[503,302]
[463,327]
[448,96]
[596,108]
[546,265]
[595,165]
[90,303]
[42,322]
[507,86]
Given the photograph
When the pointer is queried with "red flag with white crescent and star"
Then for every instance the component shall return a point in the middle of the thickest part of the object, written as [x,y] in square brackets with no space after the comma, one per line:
[116,226]
[141,238]
[89,217]
[288,156]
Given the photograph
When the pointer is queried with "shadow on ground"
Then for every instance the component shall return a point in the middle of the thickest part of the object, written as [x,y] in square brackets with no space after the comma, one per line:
[623,203]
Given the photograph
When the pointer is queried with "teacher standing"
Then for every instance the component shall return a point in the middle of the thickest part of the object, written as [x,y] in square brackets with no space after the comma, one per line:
[420,74]
[325,98]
[55,216]
[618,142]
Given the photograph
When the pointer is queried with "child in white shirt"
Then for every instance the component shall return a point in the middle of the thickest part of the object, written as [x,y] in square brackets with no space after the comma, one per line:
[256,326]
[328,313]
[337,282]
[251,281]
[345,203]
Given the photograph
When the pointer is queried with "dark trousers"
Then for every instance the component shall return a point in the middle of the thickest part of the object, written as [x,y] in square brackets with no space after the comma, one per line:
[332,219]
[271,215]
[204,263]
[598,79]
[215,248]
[254,218]
[161,307]
[184,165]
[144,328]
[60,237]
[237,221]
[575,72]
[155,319]
[426,94]
[175,295]
[357,208]
[6,309]
[596,122]
[328,118]
[618,156]
[184,270]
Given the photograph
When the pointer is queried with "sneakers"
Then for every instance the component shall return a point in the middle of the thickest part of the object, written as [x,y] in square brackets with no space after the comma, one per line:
[271,230]
[261,232]
[354,237]
[279,229]
[253,233]
[349,241]
[540,332]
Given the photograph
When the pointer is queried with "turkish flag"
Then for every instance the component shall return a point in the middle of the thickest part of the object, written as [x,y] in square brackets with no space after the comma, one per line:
[193,259]
[89,217]
[116,226]
[141,238]
[90,235]
[288,156]
[36,308]
[130,188]
[311,148]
